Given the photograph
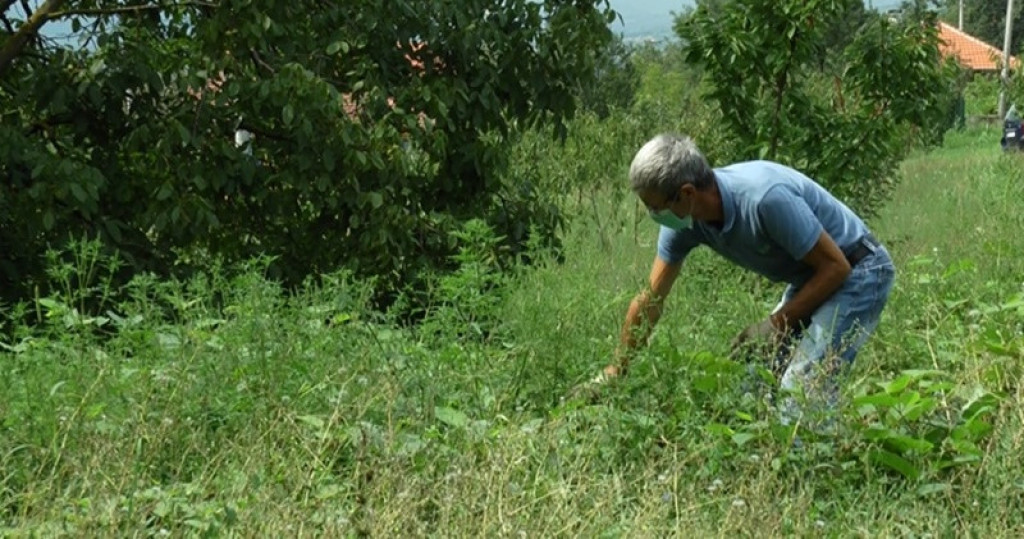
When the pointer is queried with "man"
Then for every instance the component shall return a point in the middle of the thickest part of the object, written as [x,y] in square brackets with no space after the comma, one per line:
[775,221]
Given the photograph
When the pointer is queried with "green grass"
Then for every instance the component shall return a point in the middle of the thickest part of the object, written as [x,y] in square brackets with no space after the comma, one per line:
[250,415]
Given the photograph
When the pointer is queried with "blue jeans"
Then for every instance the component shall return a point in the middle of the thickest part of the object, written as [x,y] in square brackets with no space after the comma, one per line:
[819,350]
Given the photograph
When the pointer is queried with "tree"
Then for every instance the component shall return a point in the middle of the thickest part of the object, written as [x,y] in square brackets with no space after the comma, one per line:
[837,32]
[847,127]
[616,79]
[378,128]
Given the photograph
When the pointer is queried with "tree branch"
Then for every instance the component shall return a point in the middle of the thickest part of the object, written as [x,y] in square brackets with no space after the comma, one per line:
[51,9]
[128,9]
[14,44]
[258,60]
[781,85]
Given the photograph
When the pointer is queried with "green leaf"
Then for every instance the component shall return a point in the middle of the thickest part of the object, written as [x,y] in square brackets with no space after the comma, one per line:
[741,438]
[973,429]
[904,443]
[883,400]
[78,192]
[718,429]
[56,387]
[451,416]
[1001,349]
[981,403]
[113,228]
[376,200]
[894,462]
[333,48]
[898,385]
[908,398]
[878,432]
[162,508]
[183,133]
[916,411]
[706,383]
[744,416]
[287,114]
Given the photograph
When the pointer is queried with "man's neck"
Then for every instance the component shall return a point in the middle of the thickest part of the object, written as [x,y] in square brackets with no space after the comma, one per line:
[712,200]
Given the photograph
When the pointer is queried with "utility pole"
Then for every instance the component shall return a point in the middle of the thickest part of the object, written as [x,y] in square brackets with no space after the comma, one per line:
[1006,60]
[960,25]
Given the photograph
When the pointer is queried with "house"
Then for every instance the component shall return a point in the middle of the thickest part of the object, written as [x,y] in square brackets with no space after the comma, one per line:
[971,52]
[977,58]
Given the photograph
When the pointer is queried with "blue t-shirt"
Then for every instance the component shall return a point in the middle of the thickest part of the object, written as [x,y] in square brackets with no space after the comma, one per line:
[772,217]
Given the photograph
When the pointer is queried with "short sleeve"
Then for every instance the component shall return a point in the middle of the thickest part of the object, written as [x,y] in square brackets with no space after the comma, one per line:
[788,220]
[674,245]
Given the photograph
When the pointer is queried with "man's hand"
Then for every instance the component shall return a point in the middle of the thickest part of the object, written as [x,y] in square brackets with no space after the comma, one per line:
[591,390]
[762,336]
[611,371]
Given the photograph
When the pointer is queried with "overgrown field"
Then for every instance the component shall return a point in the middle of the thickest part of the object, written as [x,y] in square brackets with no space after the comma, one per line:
[226,406]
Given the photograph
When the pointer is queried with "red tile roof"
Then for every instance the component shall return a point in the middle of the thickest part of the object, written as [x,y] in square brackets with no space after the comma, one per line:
[970,51]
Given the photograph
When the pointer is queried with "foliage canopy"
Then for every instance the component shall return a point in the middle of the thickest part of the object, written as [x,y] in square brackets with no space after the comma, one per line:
[376,125]
[844,111]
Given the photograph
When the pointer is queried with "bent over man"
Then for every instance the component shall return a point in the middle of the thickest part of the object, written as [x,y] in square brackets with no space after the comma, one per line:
[773,220]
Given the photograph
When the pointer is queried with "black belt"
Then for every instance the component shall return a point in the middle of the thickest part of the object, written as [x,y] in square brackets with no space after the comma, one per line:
[866,245]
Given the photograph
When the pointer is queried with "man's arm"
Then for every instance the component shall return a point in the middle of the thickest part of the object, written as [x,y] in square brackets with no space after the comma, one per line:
[644,312]
[789,221]
[830,271]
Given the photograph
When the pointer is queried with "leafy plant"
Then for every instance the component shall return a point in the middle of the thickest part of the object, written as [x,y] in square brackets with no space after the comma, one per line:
[372,127]
[463,303]
[845,122]
[920,423]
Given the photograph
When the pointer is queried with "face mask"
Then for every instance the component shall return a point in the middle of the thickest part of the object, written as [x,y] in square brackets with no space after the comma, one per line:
[669,219]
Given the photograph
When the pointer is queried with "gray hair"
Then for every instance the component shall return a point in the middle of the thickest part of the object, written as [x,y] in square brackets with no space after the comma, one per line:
[666,163]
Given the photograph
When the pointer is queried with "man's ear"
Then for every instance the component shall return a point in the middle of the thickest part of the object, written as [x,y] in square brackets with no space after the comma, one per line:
[688,189]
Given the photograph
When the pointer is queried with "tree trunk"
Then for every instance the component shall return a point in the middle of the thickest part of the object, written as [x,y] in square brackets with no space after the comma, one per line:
[14,45]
